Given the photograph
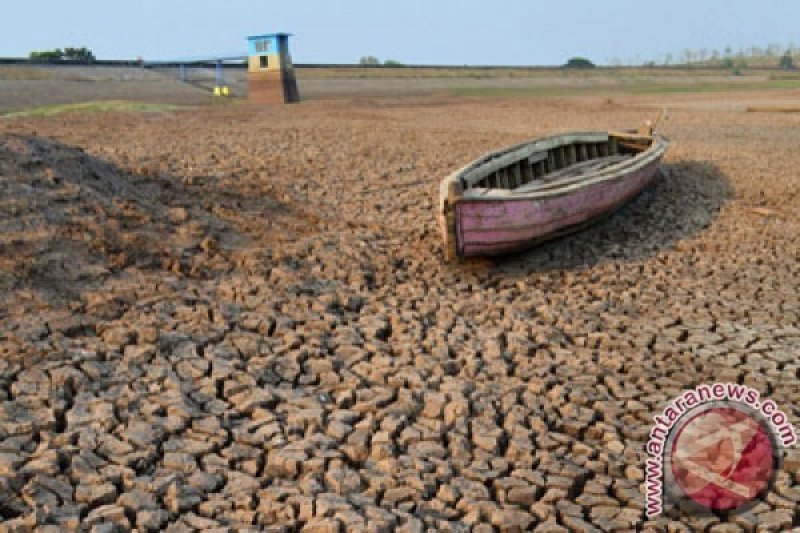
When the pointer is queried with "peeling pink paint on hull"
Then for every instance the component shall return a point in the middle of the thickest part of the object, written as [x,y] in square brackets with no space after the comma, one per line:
[486,227]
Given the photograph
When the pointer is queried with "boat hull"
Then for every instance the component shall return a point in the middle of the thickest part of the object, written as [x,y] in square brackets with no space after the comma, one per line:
[501,225]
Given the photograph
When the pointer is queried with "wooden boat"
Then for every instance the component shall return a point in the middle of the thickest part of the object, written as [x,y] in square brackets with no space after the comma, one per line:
[515,197]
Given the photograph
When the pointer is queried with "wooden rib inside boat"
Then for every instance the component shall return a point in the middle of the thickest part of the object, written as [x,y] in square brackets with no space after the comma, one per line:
[512,198]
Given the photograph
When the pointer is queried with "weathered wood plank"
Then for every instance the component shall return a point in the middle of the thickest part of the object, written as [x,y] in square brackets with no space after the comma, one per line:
[503,178]
[576,170]
[538,156]
[631,145]
[630,136]
[448,218]
[516,173]
[567,182]
[614,148]
[492,161]
[583,155]
[527,170]
[622,168]
[502,160]
[551,160]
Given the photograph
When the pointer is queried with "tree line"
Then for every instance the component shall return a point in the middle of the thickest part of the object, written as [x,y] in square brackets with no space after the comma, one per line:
[772,55]
[67,54]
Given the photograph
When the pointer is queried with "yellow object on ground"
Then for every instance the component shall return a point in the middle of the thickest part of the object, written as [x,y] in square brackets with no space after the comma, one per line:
[217,91]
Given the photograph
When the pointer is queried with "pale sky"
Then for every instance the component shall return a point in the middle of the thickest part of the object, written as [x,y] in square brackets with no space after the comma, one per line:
[500,32]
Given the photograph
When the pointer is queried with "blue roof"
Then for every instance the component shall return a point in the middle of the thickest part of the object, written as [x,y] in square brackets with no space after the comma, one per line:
[264,36]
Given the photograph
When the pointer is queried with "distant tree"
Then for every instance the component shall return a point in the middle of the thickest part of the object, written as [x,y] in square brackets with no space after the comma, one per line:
[727,62]
[392,63]
[79,54]
[787,61]
[650,64]
[369,60]
[72,54]
[668,59]
[578,62]
[47,55]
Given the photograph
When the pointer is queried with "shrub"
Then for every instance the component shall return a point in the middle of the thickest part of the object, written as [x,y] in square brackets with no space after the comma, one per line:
[392,63]
[578,62]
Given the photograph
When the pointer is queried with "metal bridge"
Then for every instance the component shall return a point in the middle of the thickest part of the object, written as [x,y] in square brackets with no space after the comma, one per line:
[183,64]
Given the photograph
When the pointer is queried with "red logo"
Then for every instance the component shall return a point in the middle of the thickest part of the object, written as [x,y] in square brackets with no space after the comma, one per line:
[722,458]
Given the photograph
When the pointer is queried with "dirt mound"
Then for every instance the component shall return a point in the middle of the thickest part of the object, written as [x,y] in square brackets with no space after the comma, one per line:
[68,220]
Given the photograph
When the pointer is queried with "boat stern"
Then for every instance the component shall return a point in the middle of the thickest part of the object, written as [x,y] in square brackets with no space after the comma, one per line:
[450,190]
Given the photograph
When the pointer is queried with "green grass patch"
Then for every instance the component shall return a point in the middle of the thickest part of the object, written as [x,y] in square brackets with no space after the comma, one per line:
[94,107]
